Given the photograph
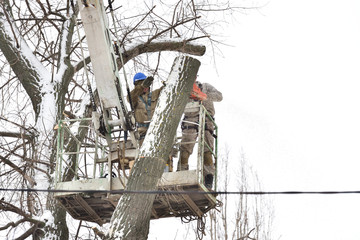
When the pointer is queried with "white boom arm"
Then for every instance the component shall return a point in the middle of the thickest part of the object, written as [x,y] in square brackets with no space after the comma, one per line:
[104,65]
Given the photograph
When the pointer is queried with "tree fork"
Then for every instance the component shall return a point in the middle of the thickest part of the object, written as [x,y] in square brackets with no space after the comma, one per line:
[131,217]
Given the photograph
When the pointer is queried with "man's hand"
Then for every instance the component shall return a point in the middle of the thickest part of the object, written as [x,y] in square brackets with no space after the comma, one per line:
[148,81]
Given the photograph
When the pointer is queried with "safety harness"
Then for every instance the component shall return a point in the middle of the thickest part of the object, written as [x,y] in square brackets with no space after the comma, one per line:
[196,127]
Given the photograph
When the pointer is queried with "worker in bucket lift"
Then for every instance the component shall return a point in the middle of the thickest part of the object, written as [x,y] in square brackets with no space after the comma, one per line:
[207,94]
[144,102]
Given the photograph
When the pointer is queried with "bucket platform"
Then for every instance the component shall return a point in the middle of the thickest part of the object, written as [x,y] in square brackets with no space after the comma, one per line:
[99,207]
[90,162]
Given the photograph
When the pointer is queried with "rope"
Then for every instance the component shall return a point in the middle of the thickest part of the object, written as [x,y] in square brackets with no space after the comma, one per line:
[189,218]
[201,225]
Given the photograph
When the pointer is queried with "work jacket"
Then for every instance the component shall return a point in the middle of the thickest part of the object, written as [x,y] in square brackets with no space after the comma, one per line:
[213,95]
[143,106]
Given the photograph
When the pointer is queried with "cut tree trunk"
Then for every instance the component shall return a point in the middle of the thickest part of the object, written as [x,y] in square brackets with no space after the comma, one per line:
[131,217]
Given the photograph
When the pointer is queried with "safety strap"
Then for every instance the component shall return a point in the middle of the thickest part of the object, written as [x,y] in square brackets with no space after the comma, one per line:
[147,105]
[197,129]
[189,127]
[143,125]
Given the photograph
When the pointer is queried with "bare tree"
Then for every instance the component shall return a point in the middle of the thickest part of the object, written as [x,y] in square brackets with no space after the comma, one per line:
[251,216]
[42,81]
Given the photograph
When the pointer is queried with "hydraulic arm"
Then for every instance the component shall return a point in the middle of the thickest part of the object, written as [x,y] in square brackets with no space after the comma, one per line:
[105,68]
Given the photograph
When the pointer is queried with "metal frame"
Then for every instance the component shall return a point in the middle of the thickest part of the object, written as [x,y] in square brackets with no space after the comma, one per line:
[203,116]
[105,68]
[83,148]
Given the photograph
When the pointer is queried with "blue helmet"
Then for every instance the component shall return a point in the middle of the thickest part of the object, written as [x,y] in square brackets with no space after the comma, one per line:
[139,76]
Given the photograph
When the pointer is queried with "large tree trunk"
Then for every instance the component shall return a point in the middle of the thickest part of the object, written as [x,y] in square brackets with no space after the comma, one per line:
[132,215]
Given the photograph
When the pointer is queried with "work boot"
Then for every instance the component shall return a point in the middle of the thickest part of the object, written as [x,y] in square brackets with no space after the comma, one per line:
[182,167]
[208,179]
[183,161]
[209,170]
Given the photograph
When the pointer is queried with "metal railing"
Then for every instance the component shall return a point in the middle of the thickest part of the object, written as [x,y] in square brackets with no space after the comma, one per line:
[204,119]
[79,147]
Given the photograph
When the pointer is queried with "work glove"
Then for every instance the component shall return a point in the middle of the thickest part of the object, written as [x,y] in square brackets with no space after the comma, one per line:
[148,81]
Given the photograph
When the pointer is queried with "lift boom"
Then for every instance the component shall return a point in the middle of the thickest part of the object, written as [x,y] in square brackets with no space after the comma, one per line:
[105,67]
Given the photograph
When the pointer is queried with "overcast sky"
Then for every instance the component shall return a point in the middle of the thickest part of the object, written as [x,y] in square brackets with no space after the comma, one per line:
[291,101]
[291,89]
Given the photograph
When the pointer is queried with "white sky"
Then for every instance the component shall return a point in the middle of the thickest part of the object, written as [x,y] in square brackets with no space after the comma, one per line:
[291,101]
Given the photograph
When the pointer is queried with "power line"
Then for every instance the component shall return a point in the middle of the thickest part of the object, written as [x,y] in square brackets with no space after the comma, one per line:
[181,192]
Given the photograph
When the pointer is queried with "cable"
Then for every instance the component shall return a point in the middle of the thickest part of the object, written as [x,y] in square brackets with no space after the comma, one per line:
[183,192]
[120,54]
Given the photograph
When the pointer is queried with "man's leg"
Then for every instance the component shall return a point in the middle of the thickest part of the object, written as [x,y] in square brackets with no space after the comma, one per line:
[186,148]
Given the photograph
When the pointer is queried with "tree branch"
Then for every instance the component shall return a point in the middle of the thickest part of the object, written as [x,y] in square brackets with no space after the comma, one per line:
[16,168]
[143,19]
[5,206]
[16,135]
[99,233]
[158,46]
[32,131]
[31,230]
[27,76]
[12,224]
[171,27]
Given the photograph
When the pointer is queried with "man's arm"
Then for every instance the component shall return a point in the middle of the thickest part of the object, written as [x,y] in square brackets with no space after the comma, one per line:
[139,89]
[135,93]
[212,93]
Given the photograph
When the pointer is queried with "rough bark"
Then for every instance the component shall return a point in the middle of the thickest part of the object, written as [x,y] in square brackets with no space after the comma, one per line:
[132,215]
[60,231]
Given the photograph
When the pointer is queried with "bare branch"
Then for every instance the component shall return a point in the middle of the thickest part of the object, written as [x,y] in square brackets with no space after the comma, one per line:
[16,135]
[171,27]
[31,231]
[16,168]
[98,233]
[132,29]
[12,224]
[178,46]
